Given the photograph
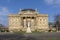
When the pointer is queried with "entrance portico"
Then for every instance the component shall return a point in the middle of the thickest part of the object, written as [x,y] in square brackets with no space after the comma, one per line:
[28,22]
[25,20]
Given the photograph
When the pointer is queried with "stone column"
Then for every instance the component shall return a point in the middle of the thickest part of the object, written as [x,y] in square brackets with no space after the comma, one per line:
[32,24]
[21,25]
[37,23]
[24,23]
[31,21]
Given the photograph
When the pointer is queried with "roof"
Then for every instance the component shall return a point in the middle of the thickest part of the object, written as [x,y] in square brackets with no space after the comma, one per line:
[27,10]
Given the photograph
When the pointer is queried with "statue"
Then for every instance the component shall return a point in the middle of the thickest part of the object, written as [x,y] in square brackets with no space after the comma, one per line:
[28,28]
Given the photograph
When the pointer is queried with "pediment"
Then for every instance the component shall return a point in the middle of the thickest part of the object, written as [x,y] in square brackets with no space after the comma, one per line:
[28,11]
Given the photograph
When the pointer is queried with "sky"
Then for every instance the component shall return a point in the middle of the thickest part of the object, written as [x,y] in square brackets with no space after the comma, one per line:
[50,7]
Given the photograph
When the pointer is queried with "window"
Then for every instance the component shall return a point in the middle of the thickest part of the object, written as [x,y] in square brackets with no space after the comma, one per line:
[28,17]
[40,19]
[32,17]
[23,17]
[44,19]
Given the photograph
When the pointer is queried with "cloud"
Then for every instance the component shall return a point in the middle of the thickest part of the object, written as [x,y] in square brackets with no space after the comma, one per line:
[4,11]
[8,1]
[3,21]
[55,2]
[3,15]
[49,1]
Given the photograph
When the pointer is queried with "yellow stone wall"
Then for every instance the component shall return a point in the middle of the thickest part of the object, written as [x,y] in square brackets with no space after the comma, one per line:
[42,22]
[14,22]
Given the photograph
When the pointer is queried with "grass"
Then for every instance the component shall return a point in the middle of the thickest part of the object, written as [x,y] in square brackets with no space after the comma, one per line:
[19,32]
[32,36]
[40,31]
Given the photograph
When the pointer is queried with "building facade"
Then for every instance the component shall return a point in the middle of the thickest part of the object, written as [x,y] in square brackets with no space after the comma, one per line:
[28,18]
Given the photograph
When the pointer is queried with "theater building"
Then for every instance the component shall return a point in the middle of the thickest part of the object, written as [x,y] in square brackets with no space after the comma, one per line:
[28,18]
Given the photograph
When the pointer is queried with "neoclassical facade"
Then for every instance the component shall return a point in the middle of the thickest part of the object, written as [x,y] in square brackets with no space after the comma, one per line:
[28,18]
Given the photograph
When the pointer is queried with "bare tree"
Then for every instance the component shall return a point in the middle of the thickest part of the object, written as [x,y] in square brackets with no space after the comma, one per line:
[57,22]
[1,25]
[50,24]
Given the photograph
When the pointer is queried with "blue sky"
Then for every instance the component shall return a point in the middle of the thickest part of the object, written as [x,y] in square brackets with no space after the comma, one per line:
[50,7]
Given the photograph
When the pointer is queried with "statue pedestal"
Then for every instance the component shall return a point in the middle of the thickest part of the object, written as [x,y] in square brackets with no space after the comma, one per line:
[28,30]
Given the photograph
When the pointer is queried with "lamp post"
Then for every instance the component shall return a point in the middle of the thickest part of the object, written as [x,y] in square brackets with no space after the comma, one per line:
[57,28]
